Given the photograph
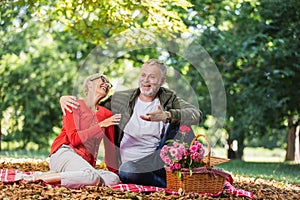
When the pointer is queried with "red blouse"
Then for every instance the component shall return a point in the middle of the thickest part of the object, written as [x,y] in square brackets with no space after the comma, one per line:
[82,133]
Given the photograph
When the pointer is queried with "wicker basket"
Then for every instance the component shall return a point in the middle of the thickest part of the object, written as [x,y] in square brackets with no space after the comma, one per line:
[203,180]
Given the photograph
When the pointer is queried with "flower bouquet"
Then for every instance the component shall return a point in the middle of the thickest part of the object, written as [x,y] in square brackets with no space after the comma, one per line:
[180,156]
[187,167]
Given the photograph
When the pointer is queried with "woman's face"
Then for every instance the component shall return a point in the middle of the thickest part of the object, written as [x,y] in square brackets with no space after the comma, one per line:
[101,87]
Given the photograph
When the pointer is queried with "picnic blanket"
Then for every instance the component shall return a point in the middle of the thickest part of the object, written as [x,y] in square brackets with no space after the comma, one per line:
[12,175]
[140,188]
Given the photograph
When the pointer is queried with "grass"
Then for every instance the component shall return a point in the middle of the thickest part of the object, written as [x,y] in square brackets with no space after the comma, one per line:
[25,154]
[259,163]
[262,163]
[279,171]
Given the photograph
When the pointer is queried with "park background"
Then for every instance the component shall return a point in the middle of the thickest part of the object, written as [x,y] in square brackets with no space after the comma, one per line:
[253,43]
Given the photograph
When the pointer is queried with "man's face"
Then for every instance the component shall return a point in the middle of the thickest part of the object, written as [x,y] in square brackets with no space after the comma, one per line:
[150,80]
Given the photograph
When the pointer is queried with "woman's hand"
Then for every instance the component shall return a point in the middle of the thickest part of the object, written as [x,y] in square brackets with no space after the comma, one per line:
[113,120]
[66,101]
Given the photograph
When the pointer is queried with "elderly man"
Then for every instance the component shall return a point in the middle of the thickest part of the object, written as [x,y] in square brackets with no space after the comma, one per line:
[151,115]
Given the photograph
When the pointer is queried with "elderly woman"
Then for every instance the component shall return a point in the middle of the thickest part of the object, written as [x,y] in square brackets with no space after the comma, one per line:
[74,152]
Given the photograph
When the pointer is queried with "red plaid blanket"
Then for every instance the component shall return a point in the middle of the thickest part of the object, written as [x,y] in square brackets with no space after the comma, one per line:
[12,175]
[139,188]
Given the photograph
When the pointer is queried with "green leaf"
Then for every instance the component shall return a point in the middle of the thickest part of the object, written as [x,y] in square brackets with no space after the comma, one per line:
[179,174]
[191,171]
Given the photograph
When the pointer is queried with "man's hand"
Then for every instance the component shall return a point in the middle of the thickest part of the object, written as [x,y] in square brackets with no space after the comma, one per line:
[66,101]
[155,116]
[113,120]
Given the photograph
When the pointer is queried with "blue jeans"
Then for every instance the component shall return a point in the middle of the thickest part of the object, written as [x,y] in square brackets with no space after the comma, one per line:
[145,171]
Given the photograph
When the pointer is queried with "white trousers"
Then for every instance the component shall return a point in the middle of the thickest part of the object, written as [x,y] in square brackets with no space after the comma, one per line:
[77,172]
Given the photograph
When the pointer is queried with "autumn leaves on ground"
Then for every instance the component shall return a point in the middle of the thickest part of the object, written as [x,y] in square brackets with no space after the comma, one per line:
[261,189]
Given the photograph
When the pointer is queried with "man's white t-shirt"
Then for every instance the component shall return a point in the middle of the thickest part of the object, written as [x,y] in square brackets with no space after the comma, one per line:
[140,137]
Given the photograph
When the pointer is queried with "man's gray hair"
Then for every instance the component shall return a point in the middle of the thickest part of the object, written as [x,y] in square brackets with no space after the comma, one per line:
[162,67]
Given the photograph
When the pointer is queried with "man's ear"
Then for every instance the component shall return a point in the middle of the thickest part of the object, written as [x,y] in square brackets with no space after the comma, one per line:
[163,81]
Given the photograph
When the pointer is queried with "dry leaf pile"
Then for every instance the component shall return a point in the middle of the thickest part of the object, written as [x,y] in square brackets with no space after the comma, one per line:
[261,189]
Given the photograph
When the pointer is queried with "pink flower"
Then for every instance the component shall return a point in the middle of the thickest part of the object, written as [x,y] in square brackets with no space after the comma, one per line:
[195,156]
[193,148]
[177,165]
[181,149]
[173,151]
[168,160]
[176,144]
[198,144]
[172,167]
[165,148]
[178,157]
[185,153]
[184,129]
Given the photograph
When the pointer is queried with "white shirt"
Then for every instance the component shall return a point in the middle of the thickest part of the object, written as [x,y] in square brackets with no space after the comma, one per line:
[140,137]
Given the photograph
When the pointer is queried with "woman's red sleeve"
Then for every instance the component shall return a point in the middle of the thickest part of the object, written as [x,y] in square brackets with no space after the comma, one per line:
[76,136]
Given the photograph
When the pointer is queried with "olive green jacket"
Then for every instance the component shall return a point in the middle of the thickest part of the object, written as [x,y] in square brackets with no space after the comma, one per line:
[123,102]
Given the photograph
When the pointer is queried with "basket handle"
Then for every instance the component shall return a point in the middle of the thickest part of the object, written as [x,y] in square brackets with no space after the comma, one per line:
[208,147]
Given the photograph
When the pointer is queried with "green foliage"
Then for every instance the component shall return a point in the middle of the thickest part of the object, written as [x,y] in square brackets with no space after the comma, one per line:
[254,44]
[97,20]
[36,69]
[41,55]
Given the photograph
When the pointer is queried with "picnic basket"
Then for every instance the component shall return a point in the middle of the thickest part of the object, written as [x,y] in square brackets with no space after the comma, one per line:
[203,180]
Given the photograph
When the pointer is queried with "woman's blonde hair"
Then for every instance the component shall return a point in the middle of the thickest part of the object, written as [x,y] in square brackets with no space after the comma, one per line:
[89,78]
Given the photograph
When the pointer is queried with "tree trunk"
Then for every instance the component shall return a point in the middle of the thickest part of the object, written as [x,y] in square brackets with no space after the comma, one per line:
[297,145]
[291,136]
[231,154]
[240,150]
[235,150]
